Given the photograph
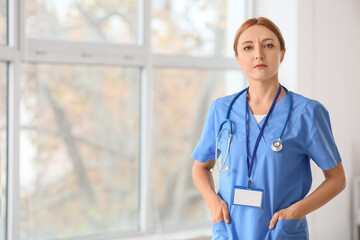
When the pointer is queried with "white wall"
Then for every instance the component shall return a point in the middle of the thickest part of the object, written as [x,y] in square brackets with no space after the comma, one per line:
[323,39]
[328,70]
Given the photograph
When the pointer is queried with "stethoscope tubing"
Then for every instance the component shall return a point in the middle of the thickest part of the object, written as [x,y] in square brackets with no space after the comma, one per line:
[288,115]
[227,120]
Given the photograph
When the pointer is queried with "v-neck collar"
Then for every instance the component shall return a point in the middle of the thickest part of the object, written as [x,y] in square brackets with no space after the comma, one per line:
[278,107]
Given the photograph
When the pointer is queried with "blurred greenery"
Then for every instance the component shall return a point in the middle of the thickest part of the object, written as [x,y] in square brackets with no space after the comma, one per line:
[189,27]
[80,150]
[86,20]
[181,101]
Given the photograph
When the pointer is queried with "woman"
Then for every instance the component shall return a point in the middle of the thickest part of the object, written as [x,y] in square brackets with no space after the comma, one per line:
[263,182]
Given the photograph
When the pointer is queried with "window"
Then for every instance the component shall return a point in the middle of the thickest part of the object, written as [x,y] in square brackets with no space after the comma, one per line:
[182,98]
[3,22]
[79,158]
[98,21]
[3,147]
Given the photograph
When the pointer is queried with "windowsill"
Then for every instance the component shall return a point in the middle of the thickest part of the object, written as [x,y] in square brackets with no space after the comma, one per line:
[203,233]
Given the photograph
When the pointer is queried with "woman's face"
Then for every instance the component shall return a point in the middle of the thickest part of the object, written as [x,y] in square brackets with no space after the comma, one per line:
[259,53]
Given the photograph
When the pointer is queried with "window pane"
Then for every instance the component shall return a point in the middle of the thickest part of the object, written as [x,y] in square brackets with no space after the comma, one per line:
[79,150]
[89,20]
[181,101]
[3,147]
[201,28]
[3,22]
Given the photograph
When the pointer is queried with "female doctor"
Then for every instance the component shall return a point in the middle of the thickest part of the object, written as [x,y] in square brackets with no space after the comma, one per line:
[266,136]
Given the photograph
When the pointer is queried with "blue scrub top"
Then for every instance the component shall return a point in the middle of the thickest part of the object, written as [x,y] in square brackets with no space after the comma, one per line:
[284,176]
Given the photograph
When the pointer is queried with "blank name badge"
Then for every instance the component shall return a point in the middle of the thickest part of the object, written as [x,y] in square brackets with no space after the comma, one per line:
[248,197]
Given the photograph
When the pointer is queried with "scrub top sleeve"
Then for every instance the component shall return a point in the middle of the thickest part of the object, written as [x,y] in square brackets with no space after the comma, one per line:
[321,146]
[205,149]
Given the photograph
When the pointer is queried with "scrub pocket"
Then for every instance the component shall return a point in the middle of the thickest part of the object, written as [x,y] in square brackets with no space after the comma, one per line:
[219,231]
[295,229]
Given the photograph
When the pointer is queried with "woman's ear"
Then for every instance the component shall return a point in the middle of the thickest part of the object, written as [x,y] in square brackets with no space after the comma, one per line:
[282,55]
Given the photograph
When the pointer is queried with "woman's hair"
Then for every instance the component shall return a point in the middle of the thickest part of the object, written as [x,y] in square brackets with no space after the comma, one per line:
[258,21]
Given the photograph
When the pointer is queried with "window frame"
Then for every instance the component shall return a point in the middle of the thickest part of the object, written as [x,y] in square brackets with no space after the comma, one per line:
[21,50]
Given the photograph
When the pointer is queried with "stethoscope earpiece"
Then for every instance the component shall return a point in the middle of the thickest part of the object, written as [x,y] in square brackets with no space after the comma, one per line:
[224,170]
[212,170]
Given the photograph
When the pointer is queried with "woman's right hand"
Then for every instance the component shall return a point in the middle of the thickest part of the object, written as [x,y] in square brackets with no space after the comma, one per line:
[204,182]
[219,210]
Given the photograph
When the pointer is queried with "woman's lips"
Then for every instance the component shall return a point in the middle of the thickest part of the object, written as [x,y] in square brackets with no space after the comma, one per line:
[260,66]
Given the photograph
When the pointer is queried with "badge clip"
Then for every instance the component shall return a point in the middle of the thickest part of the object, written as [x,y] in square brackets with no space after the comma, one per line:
[249,184]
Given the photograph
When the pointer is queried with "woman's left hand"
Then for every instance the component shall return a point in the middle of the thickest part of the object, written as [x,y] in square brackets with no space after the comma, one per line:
[286,213]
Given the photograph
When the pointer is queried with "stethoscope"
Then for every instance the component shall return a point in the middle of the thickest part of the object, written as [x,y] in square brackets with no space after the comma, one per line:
[276,146]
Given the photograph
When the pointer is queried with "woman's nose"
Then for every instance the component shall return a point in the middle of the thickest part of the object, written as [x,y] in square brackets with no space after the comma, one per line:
[259,54]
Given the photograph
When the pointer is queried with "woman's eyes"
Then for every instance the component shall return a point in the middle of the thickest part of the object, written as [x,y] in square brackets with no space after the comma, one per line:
[269,45]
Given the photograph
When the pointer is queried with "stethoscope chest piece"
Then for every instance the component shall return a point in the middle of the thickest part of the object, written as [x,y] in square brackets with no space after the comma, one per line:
[276,146]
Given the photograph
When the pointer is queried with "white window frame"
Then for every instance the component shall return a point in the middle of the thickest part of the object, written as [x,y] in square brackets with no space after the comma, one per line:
[20,50]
